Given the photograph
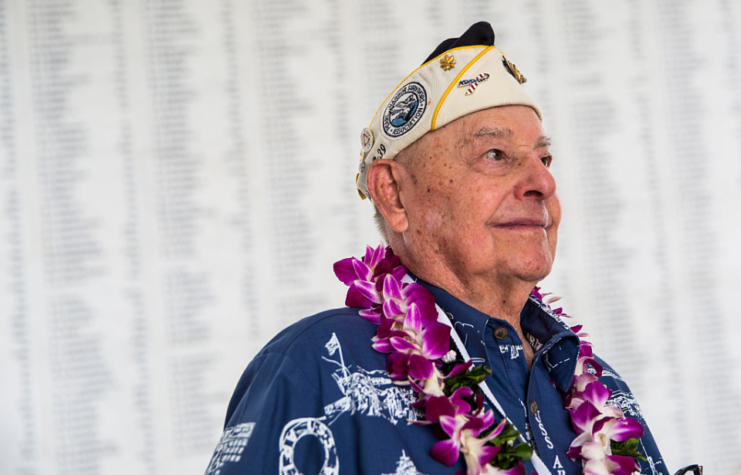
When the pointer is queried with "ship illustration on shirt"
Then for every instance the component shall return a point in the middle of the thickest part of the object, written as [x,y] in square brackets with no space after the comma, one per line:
[372,393]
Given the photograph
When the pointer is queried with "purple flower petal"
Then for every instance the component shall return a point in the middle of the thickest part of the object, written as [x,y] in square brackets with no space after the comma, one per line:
[383,345]
[418,389]
[595,467]
[596,393]
[449,424]
[420,367]
[367,290]
[362,270]
[445,452]
[597,367]
[456,399]
[573,400]
[413,319]
[387,264]
[391,308]
[585,350]
[599,424]
[355,299]
[498,429]
[625,429]
[574,452]
[583,417]
[621,464]
[402,344]
[345,271]
[479,402]
[391,288]
[384,328]
[399,272]
[368,258]
[593,451]
[580,382]
[488,452]
[372,315]
[374,255]
[436,341]
[438,406]
[397,365]
[424,300]
[459,369]
[536,293]
[477,424]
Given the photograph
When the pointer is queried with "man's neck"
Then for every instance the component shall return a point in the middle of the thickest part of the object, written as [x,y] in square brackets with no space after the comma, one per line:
[499,299]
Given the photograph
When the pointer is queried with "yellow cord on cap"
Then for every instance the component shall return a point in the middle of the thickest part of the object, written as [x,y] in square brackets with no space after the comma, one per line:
[410,74]
[455,81]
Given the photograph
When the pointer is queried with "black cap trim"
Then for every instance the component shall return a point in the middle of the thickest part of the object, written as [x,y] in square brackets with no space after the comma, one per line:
[480,33]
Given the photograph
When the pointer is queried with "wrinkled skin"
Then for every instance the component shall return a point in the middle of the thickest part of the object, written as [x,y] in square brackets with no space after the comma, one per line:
[472,208]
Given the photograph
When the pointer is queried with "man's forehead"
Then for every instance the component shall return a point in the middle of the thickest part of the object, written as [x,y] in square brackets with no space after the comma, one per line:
[505,133]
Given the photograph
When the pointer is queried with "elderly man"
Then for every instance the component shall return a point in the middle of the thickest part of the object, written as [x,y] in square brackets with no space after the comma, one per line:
[446,357]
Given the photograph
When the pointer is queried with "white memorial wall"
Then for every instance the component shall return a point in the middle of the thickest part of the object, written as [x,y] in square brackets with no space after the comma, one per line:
[176,180]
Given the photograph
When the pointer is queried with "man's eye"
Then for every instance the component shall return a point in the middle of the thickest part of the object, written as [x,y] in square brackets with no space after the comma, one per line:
[494,155]
[547,161]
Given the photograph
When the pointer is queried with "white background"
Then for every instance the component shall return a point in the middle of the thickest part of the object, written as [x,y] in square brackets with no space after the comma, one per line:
[176,180]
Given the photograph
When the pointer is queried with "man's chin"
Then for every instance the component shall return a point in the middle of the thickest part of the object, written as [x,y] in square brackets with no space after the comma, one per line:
[533,270]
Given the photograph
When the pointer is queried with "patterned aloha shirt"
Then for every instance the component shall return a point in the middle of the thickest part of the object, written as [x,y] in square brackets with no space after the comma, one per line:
[318,399]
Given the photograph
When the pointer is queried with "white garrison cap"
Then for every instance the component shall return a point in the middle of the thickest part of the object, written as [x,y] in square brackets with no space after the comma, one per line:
[463,75]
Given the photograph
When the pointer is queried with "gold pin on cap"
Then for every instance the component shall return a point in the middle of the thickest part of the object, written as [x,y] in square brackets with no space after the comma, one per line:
[513,70]
[447,62]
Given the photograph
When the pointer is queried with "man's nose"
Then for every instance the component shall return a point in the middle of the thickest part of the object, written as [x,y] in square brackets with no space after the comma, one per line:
[535,181]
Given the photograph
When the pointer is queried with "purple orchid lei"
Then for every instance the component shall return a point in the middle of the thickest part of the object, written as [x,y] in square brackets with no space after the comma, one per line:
[418,348]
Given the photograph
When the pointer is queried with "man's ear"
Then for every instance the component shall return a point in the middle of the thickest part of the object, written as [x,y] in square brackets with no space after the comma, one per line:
[385,179]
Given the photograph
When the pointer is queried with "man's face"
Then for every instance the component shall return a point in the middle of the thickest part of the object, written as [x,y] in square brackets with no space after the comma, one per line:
[480,199]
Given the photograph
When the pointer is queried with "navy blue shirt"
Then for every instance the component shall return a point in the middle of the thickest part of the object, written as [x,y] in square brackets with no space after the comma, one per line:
[318,399]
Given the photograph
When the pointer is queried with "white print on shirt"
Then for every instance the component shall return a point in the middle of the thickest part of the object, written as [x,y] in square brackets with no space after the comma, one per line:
[627,402]
[606,373]
[461,324]
[230,447]
[307,427]
[543,431]
[368,392]
[528,431]
[405,466]
[551,366]
[548,310]
[513,350]
[534,342]
[652,465]
[558,467]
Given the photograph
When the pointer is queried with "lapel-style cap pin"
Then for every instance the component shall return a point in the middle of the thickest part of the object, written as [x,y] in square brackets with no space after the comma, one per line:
[513,70]
[447,62]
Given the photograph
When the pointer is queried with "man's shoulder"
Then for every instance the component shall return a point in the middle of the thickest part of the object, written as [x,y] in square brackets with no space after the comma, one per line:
[307,355]
[318,330]
[621,396]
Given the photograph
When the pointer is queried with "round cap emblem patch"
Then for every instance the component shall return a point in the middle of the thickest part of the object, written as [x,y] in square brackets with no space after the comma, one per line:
[405,109]
[366,139]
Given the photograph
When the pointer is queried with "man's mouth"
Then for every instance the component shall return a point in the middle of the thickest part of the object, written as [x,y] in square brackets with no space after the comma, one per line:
[525,223]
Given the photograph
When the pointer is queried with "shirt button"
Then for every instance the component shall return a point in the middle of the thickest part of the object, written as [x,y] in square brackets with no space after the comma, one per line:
[500,333]
[534,407]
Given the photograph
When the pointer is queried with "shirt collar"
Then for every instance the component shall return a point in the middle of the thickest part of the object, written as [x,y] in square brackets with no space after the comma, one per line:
[551,338]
